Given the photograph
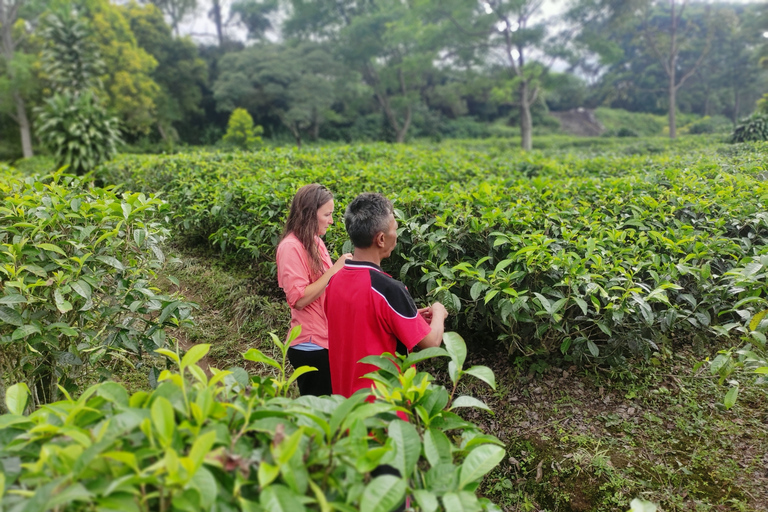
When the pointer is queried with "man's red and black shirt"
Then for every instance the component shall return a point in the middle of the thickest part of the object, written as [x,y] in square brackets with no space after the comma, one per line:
[369,313]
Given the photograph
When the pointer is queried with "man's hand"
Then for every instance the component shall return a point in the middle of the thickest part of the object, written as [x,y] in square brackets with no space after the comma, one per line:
[435,315]
[429,312]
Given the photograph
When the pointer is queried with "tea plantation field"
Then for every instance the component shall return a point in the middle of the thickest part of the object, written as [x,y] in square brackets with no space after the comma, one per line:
[593,276]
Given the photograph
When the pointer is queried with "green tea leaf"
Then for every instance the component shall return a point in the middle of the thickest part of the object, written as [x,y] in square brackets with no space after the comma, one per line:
[163,419]
[16,398]
[730,397]
[468,401]
[194,354]
[456,348]
[11,316]
[483,373]
[383,494]
[51,247]
[407,446]
[279,498]
[479,462]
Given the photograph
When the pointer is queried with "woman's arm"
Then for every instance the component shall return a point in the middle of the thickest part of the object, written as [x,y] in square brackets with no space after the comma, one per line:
[316,289]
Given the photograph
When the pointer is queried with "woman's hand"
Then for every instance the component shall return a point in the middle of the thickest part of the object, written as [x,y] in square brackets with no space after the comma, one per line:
[340,262]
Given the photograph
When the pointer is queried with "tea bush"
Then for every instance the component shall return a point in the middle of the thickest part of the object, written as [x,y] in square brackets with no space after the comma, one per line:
[235,443]
[588,253]
[77,267]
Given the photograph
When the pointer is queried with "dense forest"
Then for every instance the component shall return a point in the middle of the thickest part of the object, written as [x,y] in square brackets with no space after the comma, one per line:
[347,70]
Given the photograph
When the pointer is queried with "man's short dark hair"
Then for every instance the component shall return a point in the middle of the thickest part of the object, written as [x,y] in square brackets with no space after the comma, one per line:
[367,215]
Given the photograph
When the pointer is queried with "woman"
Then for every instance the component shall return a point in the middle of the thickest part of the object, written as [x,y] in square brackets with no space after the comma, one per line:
[303,270]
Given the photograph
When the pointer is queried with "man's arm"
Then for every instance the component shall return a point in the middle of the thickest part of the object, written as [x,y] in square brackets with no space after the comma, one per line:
[436,315]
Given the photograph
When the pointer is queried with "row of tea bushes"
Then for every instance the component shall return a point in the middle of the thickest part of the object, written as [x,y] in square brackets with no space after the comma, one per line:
[587,253]
[236,443]
[78,267]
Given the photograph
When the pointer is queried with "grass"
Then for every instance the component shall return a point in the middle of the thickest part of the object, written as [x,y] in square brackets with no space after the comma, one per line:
[579,438]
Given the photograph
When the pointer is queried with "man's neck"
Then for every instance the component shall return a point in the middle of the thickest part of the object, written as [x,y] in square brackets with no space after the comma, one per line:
[371,255]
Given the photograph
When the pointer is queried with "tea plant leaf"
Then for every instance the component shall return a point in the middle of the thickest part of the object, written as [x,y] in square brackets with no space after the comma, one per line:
[163,419]
[461,502]
[480,461]
[16,398]
[51,247]
[298,372]
[593,349]
[258,357]
[82,288]
[730,397]
[426,500]
[11,316]
[201,447]
[111,261]
[456,347]
[114,392]
[194,354]
[468,401]
[72,493]
[168,353]
[279,498]
[407,446]
[437,447]
[13,299]
[422,355]
[755,322]
[24,331]
[61,304]
[383,494]
[483,373]
[638,505]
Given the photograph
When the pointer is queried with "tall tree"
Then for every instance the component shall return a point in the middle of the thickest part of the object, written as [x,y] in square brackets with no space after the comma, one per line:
[646,39]
[666,36]
[180,73]
[176,10]
[294,83]
[16,65]
[73,122]
[393,45]
[508,33]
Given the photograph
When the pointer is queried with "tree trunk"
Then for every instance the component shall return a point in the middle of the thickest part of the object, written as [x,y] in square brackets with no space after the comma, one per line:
[526,124]
[215,14]
[404,130]
[24,127]
[672,106]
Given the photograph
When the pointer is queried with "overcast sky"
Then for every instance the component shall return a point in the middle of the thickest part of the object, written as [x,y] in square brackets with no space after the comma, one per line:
[200,27]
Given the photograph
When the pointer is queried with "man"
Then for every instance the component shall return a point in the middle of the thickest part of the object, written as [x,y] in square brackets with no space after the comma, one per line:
[368,311]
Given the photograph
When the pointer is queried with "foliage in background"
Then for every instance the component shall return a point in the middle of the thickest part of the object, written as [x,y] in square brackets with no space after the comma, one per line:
[131,93]
[77,268]
[751,129]
[298,84]
[590,254]
[180,73]
[735,365]
[233,442]
[73,123]
[240,130]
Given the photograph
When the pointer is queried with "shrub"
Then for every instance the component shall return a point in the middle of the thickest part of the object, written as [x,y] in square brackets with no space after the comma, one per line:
[241,132]
[77,267]
[593,255]
[716,124]
[751,129]
[78,131]
[233,443]
[73,124]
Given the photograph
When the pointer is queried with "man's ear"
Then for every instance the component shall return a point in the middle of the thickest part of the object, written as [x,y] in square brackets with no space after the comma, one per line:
[378,240]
